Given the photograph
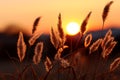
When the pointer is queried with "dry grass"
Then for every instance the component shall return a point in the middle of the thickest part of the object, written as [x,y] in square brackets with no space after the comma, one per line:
[54,39]
[115,64]
[109,49]
[85,22]
[105,12]
[106,38]
[83,29]
[77,65]
[21,47]
[88,40]
[48,64]
[38,53]
[60,30]
[95,46]
[108,44]
[35,24]
[34,38]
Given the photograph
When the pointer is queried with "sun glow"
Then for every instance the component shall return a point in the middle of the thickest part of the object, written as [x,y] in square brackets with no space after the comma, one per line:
[72,28]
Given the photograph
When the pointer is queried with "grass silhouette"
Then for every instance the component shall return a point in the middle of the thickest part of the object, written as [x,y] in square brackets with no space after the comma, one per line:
[73,66]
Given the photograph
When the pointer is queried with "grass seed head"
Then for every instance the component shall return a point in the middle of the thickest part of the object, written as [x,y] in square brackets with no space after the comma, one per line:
[106,38]
[105,11]
[60,29]
[95,46]
[35,24]
[88,40]
[36,59]
[34,38]
[38,53]
[54,39]
[48,64]
[58,54]
[108,49]
[108,43]
[21,47]
[115,64]
[84,23]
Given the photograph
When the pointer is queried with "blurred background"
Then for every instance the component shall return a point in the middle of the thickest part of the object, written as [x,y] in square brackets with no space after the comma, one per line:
[18,16]
[23,13]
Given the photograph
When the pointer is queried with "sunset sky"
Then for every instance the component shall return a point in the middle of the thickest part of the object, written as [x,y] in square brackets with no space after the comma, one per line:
[24,12]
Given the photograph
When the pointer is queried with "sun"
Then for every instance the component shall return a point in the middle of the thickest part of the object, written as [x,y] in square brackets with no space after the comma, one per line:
[72,28]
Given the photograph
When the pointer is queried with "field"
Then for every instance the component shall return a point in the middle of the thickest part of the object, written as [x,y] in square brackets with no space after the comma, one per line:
[57,56]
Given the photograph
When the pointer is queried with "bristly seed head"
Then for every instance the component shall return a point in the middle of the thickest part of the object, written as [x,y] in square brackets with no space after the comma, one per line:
[34,38]
[54,39]
[38,53]
[88,40]
[60,30]
[48,64]
[108,49]
[95,46]
[84,23]
[35,24]
[106,38]
[105,12]
[21,47]
[115,64]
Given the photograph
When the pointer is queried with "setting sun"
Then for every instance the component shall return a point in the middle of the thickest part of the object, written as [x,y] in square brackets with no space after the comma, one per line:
[72,28]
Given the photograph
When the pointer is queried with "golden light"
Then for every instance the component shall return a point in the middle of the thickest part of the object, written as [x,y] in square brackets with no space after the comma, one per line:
[72,28]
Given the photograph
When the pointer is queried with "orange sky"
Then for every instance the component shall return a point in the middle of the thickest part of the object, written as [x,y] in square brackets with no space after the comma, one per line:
[23,13]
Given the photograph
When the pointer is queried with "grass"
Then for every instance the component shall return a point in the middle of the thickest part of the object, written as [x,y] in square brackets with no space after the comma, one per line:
[85,63]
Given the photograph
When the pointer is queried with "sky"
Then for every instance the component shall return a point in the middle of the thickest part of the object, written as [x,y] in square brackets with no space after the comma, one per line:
[24,12]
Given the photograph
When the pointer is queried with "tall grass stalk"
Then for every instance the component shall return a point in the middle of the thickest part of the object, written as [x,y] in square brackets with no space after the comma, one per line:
[82,29]
[58,40]
[34,37]
[54,38]
[115,64]
[48,64]
[87,40]
[106,38]
[84,23]
[38,53]
[105,12]
[95,46]
[109,49]
[35,24]
[60,30]
[21,47]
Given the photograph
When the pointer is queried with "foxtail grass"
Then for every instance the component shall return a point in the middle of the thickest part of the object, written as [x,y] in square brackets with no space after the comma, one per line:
[82,29]
[54,38]
[106,38]
[115,64]
[84,23]
[34,38]
[108,43]
[48,64]
[21,47]
[38,53]
[59,52]
[88,40]
[105,12]
[60,29]
[95,46]
[108,49]
[35,24]
[58,39]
